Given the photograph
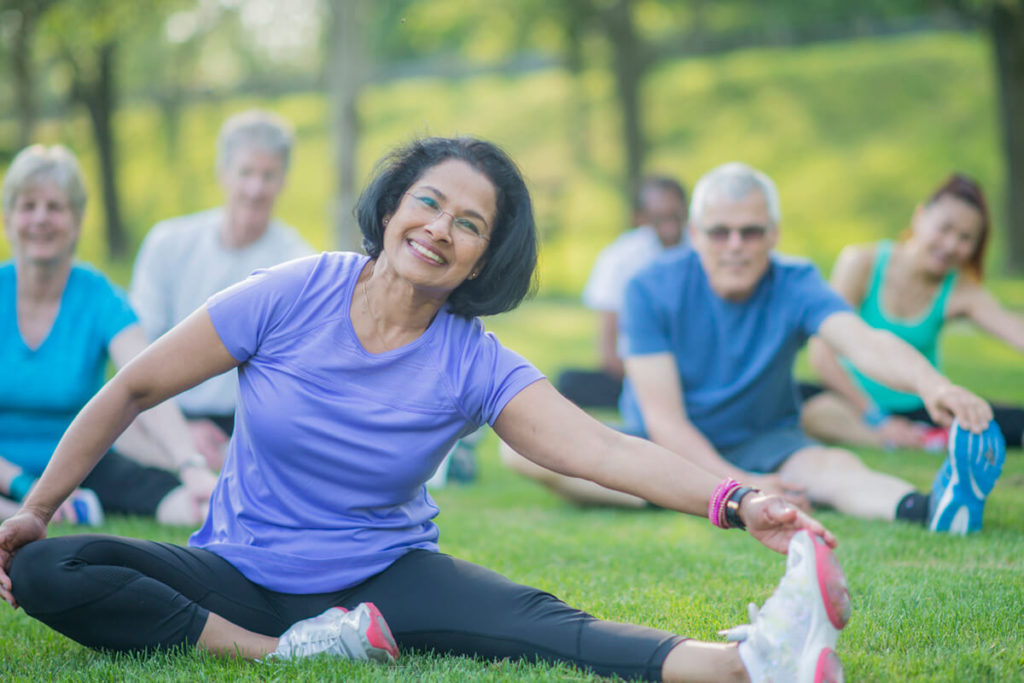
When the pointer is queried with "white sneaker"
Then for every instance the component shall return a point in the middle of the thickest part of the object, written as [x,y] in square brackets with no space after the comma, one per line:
[360,634]
[791,638]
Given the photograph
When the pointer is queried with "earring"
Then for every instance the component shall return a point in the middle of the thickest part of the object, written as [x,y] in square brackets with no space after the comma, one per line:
[386,222]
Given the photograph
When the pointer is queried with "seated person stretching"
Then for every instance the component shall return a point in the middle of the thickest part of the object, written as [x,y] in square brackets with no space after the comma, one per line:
[911,288]
[711,336]
[184,260]
[60,321]
[659,214]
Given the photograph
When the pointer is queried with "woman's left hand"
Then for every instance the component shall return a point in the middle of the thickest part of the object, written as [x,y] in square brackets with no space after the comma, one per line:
[773,521]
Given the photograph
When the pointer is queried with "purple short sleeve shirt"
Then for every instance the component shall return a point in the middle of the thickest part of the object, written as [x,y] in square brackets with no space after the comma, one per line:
[323,485]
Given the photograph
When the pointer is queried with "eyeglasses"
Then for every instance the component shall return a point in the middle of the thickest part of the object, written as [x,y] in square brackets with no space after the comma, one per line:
[427,209]
[747,233]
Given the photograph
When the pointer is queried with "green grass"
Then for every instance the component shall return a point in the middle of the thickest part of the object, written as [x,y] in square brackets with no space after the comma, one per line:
[926,607]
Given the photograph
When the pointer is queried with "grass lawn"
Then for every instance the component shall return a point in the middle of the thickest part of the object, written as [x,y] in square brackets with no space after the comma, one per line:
[926,607]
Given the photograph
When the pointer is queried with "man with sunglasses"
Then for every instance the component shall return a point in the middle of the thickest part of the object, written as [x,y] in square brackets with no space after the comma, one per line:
[710,336]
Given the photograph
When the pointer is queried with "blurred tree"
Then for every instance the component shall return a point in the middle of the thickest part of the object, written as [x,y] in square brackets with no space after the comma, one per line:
[1006,24]
[22,18]
[348,64]
[86,36]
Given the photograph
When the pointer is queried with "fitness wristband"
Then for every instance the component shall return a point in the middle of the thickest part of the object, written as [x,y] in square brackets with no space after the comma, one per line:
[732,507]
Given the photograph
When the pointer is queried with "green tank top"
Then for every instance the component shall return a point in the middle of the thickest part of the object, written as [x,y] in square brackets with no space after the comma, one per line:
[921,332]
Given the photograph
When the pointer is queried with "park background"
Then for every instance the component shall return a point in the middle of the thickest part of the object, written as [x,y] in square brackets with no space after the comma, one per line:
[857,110]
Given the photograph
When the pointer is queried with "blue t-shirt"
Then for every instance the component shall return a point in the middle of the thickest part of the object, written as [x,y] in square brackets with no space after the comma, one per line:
[323,485]
[735,359]
[42,389]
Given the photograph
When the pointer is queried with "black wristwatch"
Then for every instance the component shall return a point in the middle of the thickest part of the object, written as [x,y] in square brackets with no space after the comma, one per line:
[732,507]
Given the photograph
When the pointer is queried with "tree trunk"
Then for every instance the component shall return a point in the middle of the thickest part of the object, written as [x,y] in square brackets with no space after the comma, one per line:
[346,73]
[1006,24]
[23,76]
[100,98]
[629,68]
[579,111]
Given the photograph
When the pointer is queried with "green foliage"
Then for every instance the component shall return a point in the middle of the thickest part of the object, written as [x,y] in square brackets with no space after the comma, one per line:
[855,133]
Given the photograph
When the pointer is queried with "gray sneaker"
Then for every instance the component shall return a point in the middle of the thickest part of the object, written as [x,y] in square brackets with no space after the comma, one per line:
[358,634]
[791,638]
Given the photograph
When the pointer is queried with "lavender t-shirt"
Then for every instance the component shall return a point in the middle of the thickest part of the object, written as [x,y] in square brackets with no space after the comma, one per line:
[323,485]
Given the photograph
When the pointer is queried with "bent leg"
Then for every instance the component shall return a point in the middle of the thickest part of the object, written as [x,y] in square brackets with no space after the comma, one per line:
[574,489]
[129,595]
[837,478]
[830,418]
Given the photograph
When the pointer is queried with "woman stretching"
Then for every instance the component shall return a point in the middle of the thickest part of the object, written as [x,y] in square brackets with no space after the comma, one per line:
[356,376]
[911,288]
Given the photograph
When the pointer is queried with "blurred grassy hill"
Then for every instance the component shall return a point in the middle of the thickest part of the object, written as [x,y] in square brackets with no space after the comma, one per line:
[855,133]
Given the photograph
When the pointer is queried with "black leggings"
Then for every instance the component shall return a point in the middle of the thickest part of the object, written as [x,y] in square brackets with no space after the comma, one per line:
[130,595]
[1009,418]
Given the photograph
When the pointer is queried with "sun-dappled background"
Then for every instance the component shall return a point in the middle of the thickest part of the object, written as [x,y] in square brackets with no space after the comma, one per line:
[856,109]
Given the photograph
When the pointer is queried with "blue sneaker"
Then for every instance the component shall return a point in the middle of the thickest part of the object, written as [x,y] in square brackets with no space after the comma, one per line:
[965,480]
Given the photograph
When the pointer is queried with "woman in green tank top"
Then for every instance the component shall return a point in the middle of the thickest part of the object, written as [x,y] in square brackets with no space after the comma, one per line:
[911,288]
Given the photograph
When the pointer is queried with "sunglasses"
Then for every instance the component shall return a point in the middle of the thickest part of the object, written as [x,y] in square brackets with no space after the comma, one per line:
[747,233]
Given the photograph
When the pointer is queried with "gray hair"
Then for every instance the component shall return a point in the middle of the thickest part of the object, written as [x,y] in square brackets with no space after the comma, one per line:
[254,128]
[735,180]
[38,162]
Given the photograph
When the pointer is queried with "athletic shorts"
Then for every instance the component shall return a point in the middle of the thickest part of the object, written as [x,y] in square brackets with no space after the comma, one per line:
[767,451]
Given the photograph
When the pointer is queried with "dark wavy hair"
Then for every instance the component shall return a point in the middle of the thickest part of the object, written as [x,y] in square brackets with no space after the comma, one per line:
[966,189]
[511,257]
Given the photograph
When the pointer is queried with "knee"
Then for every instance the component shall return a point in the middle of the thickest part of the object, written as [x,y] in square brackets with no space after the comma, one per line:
[839,460]
[32,572]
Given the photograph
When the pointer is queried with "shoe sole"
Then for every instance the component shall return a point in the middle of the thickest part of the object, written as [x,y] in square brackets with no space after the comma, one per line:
[824,665]
[377,639]
[959,508]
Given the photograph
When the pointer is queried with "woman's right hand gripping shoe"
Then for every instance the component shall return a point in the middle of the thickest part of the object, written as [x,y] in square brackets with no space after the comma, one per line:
[793,636]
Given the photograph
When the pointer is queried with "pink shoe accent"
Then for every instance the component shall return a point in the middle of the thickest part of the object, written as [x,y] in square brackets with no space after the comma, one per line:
[379,635]
[832,583]
[829,668]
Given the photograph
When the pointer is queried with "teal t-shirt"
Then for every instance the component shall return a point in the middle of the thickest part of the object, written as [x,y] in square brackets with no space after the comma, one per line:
[42,389]
[921,332]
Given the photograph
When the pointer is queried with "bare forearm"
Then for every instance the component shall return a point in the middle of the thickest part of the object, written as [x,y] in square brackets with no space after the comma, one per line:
[165,424]
[86,441]
[833,376]
[641,468]
[894,363]
[687,441]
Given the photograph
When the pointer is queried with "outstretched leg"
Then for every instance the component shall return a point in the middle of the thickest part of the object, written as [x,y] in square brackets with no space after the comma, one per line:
[837,478]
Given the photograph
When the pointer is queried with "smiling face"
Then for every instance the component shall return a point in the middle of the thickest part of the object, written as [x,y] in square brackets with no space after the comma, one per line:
[252,180]
[734,239]
[41,225]
[438,235]
[945,234]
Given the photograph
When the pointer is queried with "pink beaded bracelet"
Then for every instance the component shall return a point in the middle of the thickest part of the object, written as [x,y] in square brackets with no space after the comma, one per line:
[716,504]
